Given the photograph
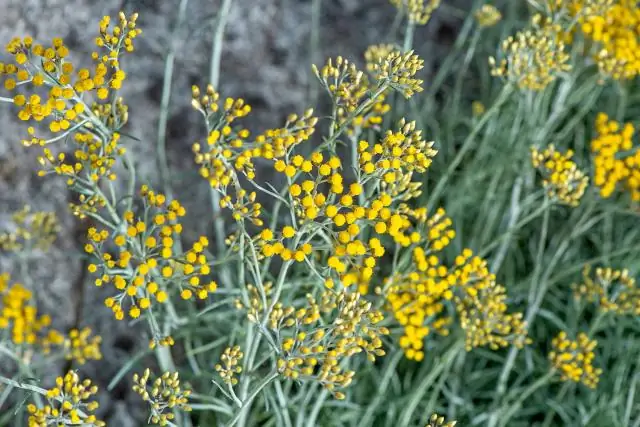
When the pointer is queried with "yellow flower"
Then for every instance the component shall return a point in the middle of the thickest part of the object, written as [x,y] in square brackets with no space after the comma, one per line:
[573,359]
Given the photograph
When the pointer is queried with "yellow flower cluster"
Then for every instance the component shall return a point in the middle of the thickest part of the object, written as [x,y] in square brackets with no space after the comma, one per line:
[350,89]
[484,317]
[487,16]
[532,59]
[163,395]
[230,366]
[93,159]
[81,346]
[417,298]
[48,67]
[615,160]
[229,150]
[20,318]
[320,196]
[574,359]
[92,155]
[146,262]
[346,85]
[50,88]
[375,54]
[401,149]
[68,404]
[34,230]
[614,27]
[418,11]
[561,177]
[613,290]
[313,348]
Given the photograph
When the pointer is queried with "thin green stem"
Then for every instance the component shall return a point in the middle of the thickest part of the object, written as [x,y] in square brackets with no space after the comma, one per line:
[247,401]
[408,36]
[161,143]
[542,381]
[466,145]
[214,79]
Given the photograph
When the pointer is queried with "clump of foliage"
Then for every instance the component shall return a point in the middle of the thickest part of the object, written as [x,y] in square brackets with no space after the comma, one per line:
[406,265]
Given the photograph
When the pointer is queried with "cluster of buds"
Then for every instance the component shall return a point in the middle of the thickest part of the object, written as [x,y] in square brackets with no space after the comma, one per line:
[315,350]
[487,16]
[418,11]
[230,365]
[613,290]
[343,81]
[532,59]
[82,346]
[399,70]
[481,305]
[33,230]
[163,395]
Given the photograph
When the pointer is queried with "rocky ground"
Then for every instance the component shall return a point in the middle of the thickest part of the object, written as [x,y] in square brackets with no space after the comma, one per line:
[266,60]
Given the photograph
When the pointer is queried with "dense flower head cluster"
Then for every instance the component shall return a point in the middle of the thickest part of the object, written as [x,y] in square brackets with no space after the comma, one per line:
[163,394]
[33,230]
[418,11]
[562,179]
[487,16]
[484,318]
[612,290]
[481,306]
[68,403]
[574,359]
[79,104]
[613,29]
[229,366]
[616,161]
[147,263]
[418,298]
[404,148]
[313,348]
[19,316]
[532,59]
[421,297]
[559,9]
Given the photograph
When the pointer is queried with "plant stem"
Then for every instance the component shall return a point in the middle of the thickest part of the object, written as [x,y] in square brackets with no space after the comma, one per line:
[214,78]
[408,36]
[504,419]
[466,145]
[247,401]
[161,143]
